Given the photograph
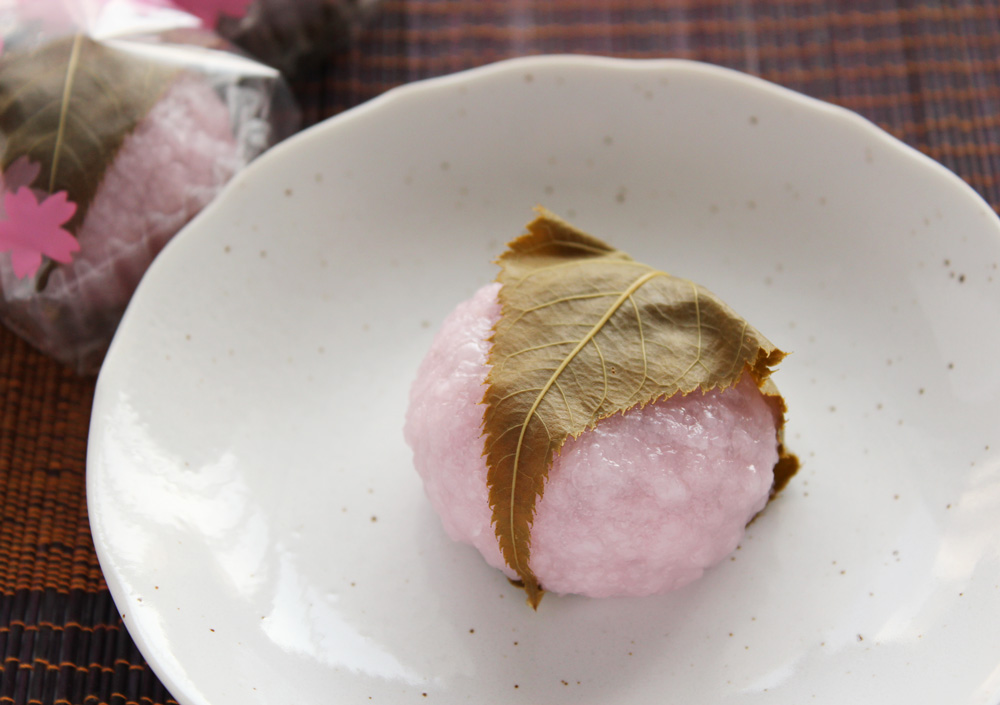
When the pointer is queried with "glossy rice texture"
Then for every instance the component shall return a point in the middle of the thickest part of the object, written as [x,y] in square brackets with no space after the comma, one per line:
[641,504]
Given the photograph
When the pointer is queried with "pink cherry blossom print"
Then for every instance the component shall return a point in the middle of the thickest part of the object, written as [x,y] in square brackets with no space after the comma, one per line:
[209,11]
[22,172]
[33,229]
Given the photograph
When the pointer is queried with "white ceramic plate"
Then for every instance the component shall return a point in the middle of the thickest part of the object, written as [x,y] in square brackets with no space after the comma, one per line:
[254,506]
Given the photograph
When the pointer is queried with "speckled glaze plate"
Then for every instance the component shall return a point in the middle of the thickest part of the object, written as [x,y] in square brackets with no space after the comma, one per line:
[254,506]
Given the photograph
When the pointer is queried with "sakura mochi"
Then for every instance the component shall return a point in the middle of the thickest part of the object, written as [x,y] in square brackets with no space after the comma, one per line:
[166,171]
[594,426]
[107,150]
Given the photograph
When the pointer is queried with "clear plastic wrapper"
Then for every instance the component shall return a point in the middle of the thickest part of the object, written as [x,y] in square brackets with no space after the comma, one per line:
[119,122]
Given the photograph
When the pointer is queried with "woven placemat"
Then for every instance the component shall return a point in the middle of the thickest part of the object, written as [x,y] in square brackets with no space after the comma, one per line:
[927,73]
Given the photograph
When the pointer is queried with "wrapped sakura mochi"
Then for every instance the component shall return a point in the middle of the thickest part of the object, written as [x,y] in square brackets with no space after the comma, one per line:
[118,124]
[593,425]
[286,34]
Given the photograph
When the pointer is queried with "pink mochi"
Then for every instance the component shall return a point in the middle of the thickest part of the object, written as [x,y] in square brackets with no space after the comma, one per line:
[166,171]
[639,505]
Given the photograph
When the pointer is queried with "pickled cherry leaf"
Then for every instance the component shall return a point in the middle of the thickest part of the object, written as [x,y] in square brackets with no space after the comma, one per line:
[586,332]
[68,106]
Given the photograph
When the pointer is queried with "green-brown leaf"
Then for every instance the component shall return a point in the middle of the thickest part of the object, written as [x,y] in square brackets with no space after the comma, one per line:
[586,332]
[68,106]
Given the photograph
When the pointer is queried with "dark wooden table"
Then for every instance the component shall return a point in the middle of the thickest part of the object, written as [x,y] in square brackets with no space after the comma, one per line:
[927,72]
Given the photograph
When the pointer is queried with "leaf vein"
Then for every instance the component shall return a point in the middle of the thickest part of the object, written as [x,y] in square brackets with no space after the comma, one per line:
[71,69]
[569,408]
[638,283]
[604,393]
[574,264]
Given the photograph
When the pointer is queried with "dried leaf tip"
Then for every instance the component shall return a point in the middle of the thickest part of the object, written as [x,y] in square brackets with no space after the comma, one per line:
[585,332]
